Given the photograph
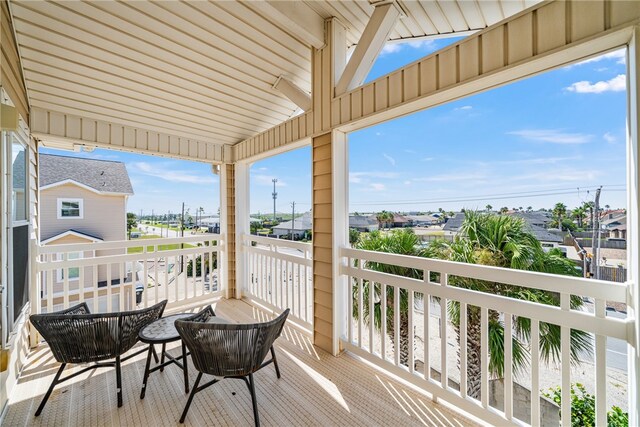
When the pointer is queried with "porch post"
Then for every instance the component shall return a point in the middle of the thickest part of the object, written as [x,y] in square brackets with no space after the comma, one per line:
[633,224]
[227,261]
[328,179]
[242,207]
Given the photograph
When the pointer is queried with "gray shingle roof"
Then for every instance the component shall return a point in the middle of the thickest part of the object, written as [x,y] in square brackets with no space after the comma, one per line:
[101,175]
[454,223]
[301,223]
[543,235]
[361,221]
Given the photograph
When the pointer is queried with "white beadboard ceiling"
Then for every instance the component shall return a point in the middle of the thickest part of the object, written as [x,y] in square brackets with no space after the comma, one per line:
[201,69]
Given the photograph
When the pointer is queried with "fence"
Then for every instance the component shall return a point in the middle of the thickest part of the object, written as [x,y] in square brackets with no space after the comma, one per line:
[280,276]
[123,275]
[400,335]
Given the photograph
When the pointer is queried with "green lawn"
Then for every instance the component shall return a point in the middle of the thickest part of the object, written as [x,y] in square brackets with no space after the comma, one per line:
[139,249]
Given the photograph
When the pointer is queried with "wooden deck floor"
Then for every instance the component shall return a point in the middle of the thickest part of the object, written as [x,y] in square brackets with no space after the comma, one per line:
[315,389]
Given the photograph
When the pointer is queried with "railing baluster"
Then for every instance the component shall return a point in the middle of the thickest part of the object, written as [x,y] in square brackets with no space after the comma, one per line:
[145,277]
[383,320]
[286,285]
[508,364]
[396,325]
[360,308]
[426,311]
[601,368]
[51,274]
[212,251]
[94,282]
[565,355]
[411,334]
[349,308]
[299,288]
[535,375]
[166,277]
[81,283]
[484,355]
[463,349]
[155,276]
[122,272]
[372,291]
[176,271]
[444,372]
[109,290]
[65,281]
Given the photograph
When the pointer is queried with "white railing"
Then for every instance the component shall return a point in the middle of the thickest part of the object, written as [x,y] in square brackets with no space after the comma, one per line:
[426,317]
[280,276]
[124,275]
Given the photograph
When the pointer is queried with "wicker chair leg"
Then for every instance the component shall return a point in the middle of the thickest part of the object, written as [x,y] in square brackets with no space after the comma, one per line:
[146,372]
[194,390]
[254,400]
[275,362]
[48,393]
[119,381]
[185,364]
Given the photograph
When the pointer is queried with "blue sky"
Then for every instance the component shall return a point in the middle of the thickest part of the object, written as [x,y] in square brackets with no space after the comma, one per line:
[553,137]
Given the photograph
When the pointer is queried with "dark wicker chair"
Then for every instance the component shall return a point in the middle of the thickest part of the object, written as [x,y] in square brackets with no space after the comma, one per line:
[229,350]
[75,335]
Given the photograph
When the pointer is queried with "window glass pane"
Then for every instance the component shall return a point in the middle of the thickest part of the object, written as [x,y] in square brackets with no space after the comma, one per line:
[19,193]
[70,208]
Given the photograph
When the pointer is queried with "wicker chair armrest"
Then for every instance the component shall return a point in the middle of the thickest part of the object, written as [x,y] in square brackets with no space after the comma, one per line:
[201,316]
[81,308]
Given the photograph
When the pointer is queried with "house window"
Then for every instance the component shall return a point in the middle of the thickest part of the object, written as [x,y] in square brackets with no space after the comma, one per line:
[70,208]
[73,272]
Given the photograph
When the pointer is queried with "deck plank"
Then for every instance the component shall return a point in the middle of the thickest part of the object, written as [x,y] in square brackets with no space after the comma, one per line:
[315,389]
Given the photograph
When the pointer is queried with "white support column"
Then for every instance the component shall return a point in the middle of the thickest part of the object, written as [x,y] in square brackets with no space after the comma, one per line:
[371,42]
[340,178]
[633,224]
[242,225]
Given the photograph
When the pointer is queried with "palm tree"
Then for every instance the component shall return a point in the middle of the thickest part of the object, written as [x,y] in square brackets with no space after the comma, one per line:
[384,218]
[559,211]
[504,210]
[504,241]
[529,208]
[579,213]
[589,206]
[403,242]
[489,207]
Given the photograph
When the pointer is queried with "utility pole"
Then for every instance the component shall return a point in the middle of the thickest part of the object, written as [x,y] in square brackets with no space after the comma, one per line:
[275,196]
[595,240]
[293,218]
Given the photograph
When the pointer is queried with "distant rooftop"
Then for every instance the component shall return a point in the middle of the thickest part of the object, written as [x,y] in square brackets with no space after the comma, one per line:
[101,175]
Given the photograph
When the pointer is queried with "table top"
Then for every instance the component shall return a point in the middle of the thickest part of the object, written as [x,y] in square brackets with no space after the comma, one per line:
[162,330]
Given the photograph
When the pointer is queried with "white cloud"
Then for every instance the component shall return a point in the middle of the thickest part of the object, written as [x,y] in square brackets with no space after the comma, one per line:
[616,84]
[407,183]
[620,55]
[164,172]
[360,177]
[531,161]
[376,186]
[609,137]
[461,176]
[553,136]
[418,44]
[390,159]
[410,151]
[391,48]
[427,159]
[463,108]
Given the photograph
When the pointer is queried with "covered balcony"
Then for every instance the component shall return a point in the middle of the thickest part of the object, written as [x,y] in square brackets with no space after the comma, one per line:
[231,83]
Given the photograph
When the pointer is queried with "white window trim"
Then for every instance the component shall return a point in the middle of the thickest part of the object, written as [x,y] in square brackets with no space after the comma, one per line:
[70,256]
[69,199]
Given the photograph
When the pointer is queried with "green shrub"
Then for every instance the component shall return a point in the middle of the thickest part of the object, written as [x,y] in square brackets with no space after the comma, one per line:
[583,408]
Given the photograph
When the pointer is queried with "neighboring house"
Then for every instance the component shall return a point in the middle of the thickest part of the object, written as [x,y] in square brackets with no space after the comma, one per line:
[300,226]
[619,232]
[536,218]
[546,238]
[423,220]
[454,223]
[363,223]
[83,201]
[401,221]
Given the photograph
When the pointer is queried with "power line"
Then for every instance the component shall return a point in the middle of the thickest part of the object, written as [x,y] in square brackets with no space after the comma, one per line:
[471,199]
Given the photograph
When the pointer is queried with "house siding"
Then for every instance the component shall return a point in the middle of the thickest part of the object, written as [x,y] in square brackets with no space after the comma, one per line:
[104,216]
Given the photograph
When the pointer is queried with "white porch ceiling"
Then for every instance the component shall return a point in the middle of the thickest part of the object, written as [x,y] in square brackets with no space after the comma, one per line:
[201,70]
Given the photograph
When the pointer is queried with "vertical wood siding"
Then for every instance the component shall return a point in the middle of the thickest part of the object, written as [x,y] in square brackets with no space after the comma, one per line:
[81,130]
